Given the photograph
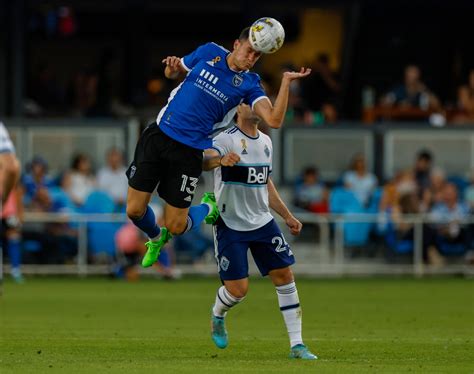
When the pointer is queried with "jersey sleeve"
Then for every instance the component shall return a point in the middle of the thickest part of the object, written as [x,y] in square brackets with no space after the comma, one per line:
[222,143]
[256,93]
[203,52]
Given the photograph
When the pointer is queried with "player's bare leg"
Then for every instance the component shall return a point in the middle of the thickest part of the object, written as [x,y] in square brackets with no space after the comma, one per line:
[289,303]
[10,173]
[229,295]
[144,218]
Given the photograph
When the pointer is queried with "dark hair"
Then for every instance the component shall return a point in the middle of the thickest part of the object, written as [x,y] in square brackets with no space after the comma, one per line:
[310,170]
[76,160]
[425,154]
[244,34]
[323,58]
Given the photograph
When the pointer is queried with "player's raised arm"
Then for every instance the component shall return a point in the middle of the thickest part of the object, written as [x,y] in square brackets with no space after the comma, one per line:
[279,206]
[274,114]
[173,67]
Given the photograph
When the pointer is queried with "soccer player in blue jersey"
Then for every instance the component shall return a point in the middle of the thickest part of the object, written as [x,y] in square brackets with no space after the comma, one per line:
[169,153]
[242,159]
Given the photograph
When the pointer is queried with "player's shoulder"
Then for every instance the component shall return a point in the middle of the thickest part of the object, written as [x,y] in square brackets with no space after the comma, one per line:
[265,137]
[254,77]
[214,49]
[230,131]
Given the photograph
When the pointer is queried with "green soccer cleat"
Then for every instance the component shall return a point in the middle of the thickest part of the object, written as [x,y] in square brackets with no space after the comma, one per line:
[154,248]
[218,332]
[210,198]
[302,352]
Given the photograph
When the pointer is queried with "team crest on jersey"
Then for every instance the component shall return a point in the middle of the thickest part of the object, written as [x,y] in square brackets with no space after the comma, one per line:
[244,147]
[237,80]
[267,151]
[224,263]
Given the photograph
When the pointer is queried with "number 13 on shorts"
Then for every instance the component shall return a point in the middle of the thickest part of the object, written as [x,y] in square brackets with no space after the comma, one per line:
[191,187]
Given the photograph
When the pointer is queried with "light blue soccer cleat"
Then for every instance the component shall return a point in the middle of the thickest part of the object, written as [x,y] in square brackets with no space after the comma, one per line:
[302,352]
[218,332]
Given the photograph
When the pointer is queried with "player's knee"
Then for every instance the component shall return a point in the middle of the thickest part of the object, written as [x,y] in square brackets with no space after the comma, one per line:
[176,226]
[12,168]
[238,290]
[135,212]
[282,276]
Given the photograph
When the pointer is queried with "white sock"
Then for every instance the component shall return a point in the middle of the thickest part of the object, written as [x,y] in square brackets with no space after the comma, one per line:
[224,301]
[290,308]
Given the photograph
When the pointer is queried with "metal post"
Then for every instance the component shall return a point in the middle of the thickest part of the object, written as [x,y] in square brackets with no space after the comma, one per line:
[339,244]
[324,237]
[418,250]
[82,249]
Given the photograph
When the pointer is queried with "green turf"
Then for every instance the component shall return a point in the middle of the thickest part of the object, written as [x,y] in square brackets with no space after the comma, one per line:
[151,326]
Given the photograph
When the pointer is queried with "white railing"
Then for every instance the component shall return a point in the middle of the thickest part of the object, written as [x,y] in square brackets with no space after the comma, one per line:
[324,258]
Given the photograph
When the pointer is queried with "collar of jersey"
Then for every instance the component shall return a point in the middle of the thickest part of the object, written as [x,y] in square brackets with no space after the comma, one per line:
[232,70]
[248,136]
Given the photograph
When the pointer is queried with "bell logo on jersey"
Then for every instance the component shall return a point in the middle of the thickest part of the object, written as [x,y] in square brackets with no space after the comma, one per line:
[257,175]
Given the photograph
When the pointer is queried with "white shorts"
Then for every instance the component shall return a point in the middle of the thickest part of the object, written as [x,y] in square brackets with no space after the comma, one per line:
[6,145]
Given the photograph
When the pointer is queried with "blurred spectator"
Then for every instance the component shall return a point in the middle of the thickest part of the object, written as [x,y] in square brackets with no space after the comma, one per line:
[412,93]
[82,180]
[448,216]
[422,172]
[434,193]
[465,102]
[295,111]
[321,90]
[469,193]
[407,204]
[193,244]
[82,92]
[310,193]
[45,92]
[360,180]
[36,179]
[111,178]
[401,184]
[109,90]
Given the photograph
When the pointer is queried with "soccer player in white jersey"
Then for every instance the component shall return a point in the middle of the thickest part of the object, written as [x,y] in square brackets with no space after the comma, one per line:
[242,159]
[168,156]
[9,164]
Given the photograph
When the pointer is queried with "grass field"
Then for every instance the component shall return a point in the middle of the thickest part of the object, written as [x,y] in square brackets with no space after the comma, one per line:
[152,326]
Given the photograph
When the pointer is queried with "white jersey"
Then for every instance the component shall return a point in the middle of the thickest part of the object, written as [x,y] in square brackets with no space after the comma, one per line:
[241,190]
[6,145]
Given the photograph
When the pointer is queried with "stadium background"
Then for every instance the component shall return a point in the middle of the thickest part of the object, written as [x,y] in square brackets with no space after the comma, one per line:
[420,323]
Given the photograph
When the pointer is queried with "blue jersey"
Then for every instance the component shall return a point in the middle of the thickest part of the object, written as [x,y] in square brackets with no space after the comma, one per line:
[208,97]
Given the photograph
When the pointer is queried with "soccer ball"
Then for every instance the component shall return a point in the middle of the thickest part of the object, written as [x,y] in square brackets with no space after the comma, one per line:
[266,35]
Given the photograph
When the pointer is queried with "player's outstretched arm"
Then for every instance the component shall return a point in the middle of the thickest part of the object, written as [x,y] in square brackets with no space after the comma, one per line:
[212,159]
[274,114]
[278,205]
[173,67]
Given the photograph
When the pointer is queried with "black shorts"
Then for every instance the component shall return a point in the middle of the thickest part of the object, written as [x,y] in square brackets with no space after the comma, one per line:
[171,167]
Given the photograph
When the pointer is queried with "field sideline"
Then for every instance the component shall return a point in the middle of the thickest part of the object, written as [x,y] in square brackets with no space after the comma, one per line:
[355,325]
